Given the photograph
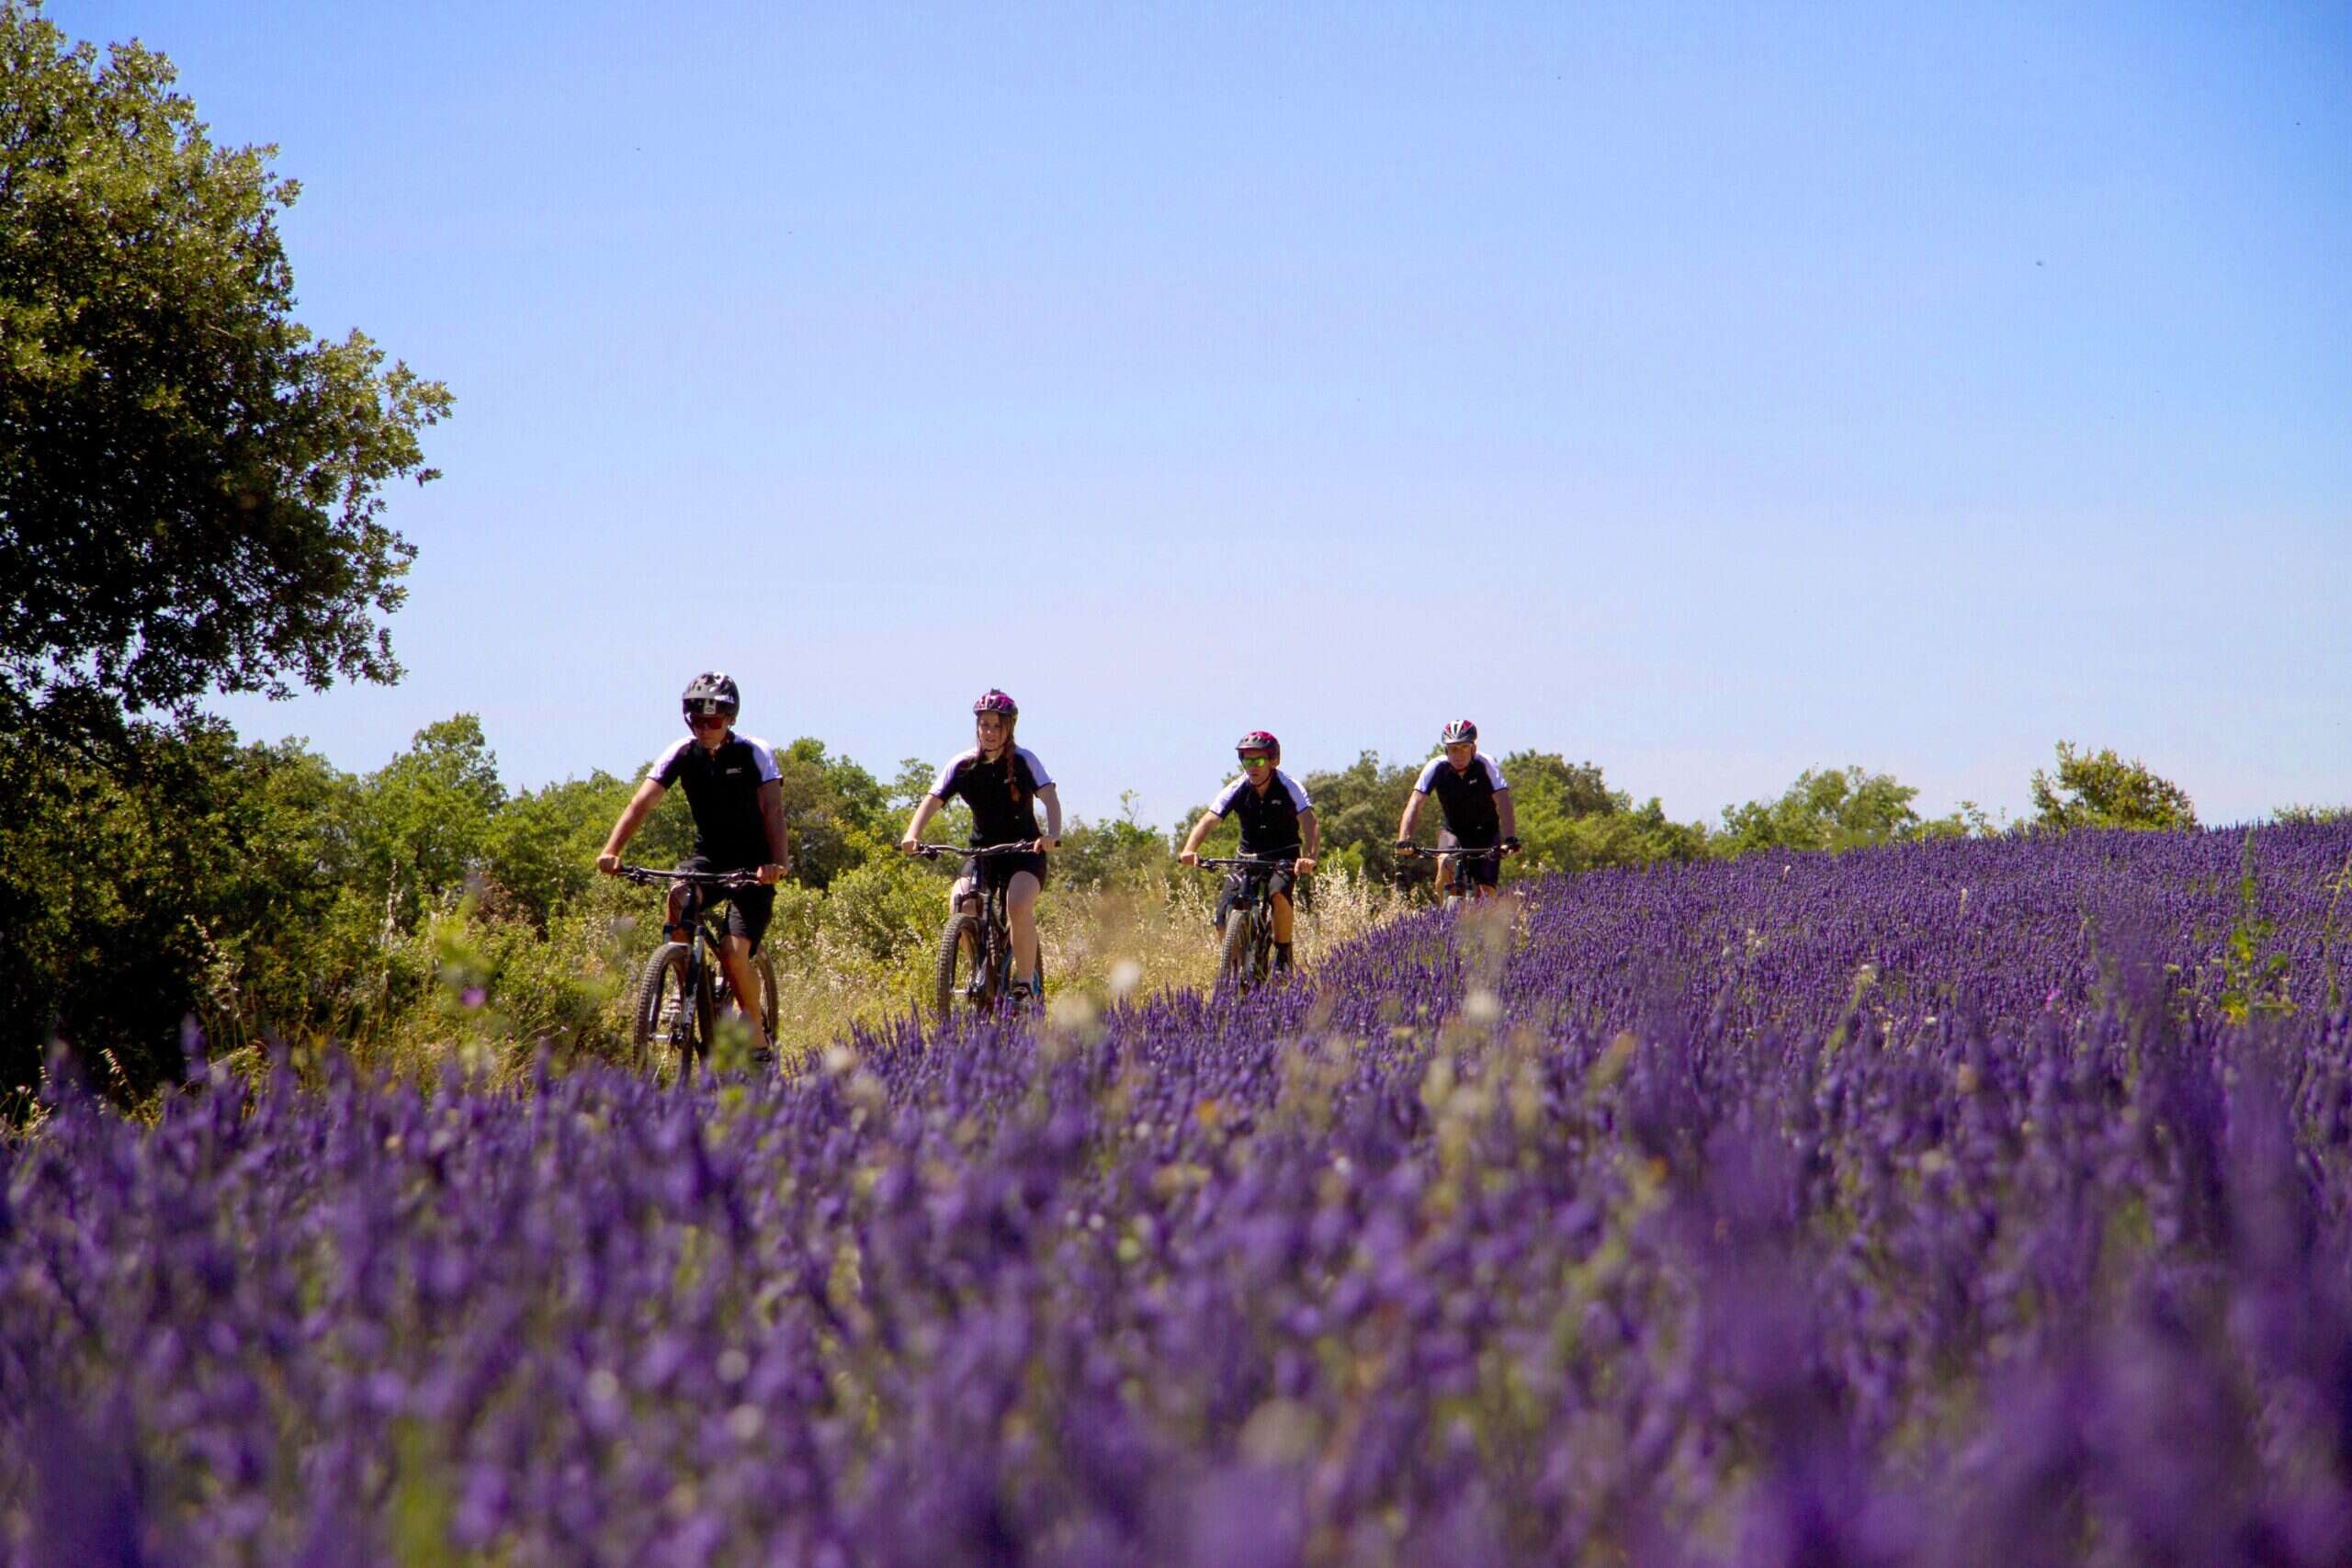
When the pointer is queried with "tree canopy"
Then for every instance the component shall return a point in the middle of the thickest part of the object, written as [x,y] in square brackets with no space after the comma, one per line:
[2101,790]
[189,481]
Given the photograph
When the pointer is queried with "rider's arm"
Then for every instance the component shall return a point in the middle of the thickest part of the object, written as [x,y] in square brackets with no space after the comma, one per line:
[1311,826]
[771,815]
[1194,840]
[924,811]
[1052,800]
[640,805]
[1507,813]
[1412,815]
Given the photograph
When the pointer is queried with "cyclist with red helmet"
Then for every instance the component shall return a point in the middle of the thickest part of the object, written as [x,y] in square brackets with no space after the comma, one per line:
[737,796]
[1278,822]
[1003,783]
[1475,801]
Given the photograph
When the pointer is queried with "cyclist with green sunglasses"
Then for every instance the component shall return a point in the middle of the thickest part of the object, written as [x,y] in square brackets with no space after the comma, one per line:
[1278,822]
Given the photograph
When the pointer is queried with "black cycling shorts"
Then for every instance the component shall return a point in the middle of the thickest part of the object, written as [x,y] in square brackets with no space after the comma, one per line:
[1237,887]
[749,909]
[985,872]
[1486,871]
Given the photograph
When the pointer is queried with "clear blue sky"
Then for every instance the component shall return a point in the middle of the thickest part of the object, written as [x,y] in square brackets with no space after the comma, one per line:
[1708,391]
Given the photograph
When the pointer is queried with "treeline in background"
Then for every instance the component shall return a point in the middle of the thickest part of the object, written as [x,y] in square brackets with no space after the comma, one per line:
[197,893]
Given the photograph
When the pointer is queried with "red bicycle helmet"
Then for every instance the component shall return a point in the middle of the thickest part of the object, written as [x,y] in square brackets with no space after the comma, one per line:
[1260,740]
[994,700]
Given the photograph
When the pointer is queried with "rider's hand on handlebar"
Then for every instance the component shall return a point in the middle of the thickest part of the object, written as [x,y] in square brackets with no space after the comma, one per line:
[771,873]
[1511,846]
[1046,841]
[910,845]
[1405,846]
[610,865]
[1188,857]
[1304,865]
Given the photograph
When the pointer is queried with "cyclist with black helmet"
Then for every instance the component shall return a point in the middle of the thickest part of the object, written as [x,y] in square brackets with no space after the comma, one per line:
[1278,822]
[737,797]
[1003,783]
[1476,803]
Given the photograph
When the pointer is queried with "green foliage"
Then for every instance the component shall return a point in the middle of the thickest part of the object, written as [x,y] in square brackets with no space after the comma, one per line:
[1569,820]
[2255,978]
[2312,816]
[2101,790]
[1120,851]
[1826,808]
[188,482]
[1358,806]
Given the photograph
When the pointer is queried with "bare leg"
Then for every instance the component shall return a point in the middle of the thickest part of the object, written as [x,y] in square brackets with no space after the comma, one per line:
[1282,918]
[735,957]
[1020,914]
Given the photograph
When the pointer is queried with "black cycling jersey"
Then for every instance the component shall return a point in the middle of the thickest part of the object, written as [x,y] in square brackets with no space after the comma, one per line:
[1467,799]
[1003,798]
[1269,821]
[723,791]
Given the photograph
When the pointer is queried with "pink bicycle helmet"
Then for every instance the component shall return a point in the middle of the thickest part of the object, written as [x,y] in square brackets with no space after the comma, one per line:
[1260,740]
[994,700]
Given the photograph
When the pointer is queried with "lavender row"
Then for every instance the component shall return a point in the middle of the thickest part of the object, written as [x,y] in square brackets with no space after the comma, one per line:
[1963,1203]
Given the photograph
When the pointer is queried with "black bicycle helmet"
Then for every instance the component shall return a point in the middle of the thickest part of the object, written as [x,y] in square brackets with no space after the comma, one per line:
[711,691]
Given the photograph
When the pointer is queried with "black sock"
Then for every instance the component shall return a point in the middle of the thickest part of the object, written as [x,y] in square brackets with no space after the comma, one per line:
[1281,955]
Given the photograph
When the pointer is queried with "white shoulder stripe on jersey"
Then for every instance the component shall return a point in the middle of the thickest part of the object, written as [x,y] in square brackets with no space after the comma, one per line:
[1428,775]
[1230,793]
[1494,771]
[946,779]
[1297,795]
[1037,774]
[661,764]
[764,755]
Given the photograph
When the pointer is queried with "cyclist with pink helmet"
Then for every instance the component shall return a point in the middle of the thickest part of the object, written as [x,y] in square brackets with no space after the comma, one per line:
[1004,785]
[1278,822]
[1476,802]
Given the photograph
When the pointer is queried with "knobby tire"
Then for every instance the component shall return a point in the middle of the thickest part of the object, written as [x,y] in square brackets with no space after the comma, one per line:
[661,994]
[959,958]
[1237,966]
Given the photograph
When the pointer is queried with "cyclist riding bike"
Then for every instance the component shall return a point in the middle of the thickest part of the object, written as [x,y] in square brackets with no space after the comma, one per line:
[1003,783]
[1278,822]
[737,797]
[1475,804]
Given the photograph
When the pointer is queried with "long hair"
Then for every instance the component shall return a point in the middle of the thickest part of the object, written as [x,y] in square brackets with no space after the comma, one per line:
[1004,756]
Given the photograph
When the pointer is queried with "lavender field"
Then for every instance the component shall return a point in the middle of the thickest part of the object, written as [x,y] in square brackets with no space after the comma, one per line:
[1984,1202]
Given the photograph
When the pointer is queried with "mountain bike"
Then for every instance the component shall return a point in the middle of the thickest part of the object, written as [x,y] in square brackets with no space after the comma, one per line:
[976,950]
[1246,956]
[684,990]
[1458,886]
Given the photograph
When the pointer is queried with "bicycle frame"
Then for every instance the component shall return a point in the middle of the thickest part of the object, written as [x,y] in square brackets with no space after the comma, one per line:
[703,985]
[992,976]
[1256,899]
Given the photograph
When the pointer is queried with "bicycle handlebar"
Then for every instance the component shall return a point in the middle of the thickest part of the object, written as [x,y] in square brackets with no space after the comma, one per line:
[646,876]
[1242,862]
[1415,851]
[932,852]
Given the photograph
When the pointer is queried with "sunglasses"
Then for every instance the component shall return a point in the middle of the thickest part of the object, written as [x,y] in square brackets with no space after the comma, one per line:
[702,720]
[1255,759]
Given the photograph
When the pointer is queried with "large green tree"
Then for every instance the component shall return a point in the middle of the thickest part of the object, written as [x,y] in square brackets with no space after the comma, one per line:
[2100,789]
[189,481]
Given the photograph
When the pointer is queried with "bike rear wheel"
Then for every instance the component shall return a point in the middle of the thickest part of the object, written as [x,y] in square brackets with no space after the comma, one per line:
[669,1026]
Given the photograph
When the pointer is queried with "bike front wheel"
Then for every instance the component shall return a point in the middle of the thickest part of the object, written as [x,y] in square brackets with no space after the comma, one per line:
[670,1022]
[958,973]
[1238,965]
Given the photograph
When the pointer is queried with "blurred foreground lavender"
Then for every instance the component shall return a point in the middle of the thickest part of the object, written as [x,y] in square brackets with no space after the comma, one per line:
[1984,1202]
